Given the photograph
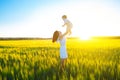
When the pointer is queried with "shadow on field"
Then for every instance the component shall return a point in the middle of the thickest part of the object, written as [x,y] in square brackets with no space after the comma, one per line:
[5,47]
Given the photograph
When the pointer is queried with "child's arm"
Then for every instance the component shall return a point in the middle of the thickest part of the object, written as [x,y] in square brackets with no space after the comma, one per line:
[63,24]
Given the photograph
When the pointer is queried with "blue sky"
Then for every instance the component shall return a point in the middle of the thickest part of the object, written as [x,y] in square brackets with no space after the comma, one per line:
[15,10]
[40,18]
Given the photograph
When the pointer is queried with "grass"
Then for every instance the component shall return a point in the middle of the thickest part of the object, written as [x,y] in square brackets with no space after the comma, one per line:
[39,60]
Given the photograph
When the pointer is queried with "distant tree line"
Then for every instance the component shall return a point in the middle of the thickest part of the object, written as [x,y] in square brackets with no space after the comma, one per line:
[94,37]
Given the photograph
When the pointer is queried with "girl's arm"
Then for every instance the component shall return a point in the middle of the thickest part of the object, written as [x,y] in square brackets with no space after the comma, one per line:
[63,24]
[63,35]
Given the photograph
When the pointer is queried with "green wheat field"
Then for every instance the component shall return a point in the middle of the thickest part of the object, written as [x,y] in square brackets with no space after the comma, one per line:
[97,59]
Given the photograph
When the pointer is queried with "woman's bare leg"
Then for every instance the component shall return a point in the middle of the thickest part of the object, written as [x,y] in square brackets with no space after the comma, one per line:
[62,64]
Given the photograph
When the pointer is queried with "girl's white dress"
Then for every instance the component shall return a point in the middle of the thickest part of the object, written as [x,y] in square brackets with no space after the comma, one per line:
[69,24]
[63,52]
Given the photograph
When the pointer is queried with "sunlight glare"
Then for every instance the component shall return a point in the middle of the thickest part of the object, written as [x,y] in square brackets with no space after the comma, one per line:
[85,37]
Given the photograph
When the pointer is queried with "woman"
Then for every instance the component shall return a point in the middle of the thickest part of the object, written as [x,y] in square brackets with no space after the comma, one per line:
[58,36]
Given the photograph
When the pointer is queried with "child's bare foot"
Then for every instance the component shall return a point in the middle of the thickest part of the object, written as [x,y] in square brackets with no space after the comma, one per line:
[70,33]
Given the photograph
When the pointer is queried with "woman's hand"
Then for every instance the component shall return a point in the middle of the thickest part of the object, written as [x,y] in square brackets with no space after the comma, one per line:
[62,35]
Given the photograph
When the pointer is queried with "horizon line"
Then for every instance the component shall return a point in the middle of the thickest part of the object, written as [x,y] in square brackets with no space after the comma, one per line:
[42,38]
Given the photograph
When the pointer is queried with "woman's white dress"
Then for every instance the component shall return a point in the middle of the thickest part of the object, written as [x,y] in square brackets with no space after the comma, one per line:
[63,52]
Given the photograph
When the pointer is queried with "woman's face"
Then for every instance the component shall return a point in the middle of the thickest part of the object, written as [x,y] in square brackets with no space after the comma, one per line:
[60,33]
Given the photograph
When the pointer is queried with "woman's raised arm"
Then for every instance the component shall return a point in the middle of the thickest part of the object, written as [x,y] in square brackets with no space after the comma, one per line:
[63,35]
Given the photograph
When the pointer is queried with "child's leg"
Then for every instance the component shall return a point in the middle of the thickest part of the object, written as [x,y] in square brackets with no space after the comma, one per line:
[70,31]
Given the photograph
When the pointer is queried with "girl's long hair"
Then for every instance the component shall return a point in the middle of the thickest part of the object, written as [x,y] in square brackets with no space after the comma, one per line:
[55,36]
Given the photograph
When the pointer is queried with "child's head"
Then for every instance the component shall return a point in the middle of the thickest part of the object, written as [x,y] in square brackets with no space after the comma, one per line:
[64,17]
[55,36]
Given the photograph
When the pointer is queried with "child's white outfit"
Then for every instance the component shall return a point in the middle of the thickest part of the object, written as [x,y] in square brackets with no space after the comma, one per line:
[63,52]
[68,24]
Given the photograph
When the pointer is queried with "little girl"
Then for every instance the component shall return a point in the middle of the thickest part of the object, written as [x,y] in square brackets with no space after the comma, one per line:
[68,24]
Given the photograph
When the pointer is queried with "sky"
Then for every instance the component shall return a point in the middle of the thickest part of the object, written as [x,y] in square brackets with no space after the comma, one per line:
[40,18]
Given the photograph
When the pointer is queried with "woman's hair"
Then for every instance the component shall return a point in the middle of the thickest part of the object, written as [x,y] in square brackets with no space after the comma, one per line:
[64,16]
[55,36]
